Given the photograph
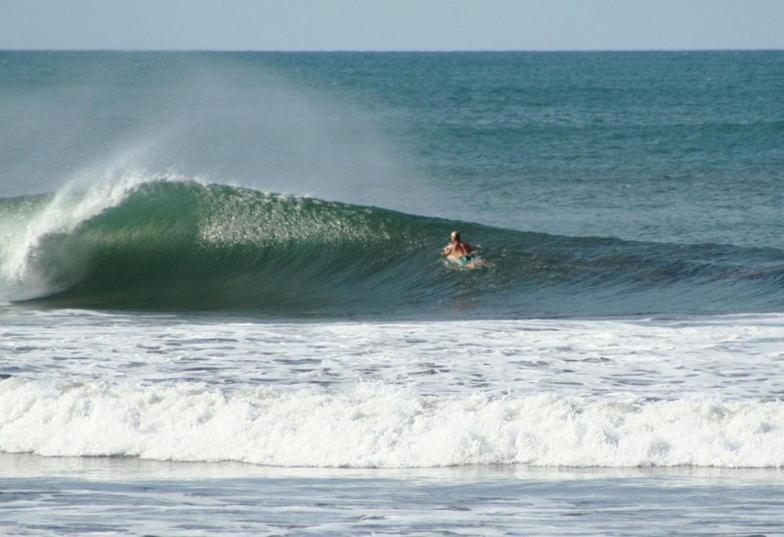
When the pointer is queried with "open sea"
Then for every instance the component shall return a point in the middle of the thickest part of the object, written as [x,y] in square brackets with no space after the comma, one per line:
[223,309]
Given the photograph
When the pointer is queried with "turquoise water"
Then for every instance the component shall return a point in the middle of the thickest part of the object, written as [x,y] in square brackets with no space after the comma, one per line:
[669,147]
[185,246]
[678,155]
[220,287]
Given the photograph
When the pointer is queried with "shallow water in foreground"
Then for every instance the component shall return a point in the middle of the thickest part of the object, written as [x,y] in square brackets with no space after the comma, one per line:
[120,496]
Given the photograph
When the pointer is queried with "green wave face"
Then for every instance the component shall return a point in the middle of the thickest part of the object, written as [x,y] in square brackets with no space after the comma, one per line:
[187,246]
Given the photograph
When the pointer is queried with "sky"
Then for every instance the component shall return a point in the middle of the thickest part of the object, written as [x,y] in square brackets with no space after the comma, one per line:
[392,24]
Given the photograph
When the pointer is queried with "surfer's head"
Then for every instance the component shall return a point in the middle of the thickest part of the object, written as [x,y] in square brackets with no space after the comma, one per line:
[455,236]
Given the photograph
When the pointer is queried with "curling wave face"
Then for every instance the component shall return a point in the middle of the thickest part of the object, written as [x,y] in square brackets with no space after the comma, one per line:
[180,245]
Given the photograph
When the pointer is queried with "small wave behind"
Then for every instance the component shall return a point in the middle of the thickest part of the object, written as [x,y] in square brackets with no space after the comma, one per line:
[184,245]
[375,426]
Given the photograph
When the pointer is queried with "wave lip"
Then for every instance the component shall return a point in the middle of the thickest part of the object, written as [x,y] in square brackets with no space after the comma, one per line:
[31,227]
[379,427]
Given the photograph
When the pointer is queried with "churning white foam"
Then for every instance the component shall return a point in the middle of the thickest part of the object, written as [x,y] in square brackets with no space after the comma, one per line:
[378,426]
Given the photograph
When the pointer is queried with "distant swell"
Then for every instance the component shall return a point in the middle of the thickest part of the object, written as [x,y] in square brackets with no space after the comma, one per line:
[187,246]
[374,427]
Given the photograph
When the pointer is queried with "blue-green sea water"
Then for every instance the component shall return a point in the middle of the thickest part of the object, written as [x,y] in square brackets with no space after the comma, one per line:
[223,272]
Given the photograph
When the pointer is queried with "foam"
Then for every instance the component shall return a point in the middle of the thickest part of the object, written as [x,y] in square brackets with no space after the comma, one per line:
[739,357]
[378,426]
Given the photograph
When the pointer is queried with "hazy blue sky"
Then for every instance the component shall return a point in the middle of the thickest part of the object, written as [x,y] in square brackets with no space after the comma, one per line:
[392,24]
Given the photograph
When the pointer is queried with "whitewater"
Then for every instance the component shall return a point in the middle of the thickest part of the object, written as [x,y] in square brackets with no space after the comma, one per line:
[543,393]
[223,309]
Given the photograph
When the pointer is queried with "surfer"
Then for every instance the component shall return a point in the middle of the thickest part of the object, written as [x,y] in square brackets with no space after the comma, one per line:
[458,251]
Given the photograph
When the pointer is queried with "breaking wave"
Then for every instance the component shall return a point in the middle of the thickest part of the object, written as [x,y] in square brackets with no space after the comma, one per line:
[377,427]
[182,245]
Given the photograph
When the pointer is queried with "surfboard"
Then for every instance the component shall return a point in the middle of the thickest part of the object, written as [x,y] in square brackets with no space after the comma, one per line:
[472,263]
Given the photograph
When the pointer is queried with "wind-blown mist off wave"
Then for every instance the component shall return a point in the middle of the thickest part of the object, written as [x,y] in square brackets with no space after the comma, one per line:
[373,426]
[184,245]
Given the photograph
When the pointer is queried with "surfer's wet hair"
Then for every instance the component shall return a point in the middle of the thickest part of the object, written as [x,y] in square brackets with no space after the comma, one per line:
[456,236]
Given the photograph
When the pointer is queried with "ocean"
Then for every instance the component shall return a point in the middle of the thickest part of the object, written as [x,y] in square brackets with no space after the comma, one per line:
[224,310]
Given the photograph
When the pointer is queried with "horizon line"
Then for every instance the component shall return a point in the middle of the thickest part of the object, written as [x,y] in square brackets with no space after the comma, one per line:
[381,51]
